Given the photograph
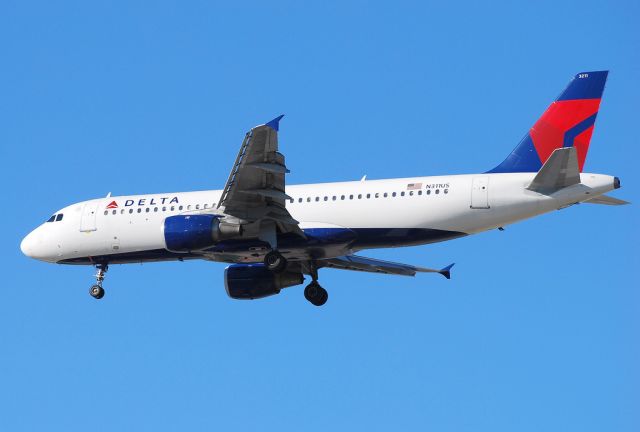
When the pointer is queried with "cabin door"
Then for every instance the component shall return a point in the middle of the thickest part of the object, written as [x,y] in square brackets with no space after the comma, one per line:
[480,193]
[88,218]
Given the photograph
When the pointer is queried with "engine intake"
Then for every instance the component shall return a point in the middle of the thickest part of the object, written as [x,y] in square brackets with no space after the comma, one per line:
[254,281]
[184,233]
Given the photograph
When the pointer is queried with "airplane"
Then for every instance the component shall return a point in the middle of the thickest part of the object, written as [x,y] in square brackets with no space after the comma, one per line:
[273,234]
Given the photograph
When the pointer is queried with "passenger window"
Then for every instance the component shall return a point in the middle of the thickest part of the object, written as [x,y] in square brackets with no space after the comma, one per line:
[437,191]
[173,207]
[155,209]
[377,195]
[334,198]
[147,209]
[299,200]
[308,199]
[197,207]
[401,193]
[393,194]
[130,211]
[446,191]
[428,191]
[164,209]
[122,211]
[180,208]
[106,212]
[411,193]
[419,192]
[114,212]
[139,210]
[385,195]
[359,196]
[205,206]
[326,198]
[350,196]
[317,199]
[342,197]
[189,207]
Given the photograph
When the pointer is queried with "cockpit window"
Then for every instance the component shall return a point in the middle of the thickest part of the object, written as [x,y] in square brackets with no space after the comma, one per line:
[59,217]
[52,218]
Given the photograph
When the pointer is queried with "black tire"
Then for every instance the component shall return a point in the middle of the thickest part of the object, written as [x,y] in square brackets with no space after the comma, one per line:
[322,298]
[311,291]
[97,292]
[315,294]
[275,262]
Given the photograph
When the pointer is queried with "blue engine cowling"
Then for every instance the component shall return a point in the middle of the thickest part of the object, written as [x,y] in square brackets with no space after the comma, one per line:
[184,233]
[254,281]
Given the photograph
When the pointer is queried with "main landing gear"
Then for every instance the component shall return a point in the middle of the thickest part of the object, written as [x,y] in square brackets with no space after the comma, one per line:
[96,290]
[275,262]
[314,293]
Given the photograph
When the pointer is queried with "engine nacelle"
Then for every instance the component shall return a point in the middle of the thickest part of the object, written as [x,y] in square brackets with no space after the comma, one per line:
[254,281]
[184,233]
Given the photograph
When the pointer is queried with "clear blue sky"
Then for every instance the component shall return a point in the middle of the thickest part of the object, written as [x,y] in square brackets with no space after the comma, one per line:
[537,330]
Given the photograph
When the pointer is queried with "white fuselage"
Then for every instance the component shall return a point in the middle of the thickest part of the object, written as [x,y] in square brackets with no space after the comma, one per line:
[455,204]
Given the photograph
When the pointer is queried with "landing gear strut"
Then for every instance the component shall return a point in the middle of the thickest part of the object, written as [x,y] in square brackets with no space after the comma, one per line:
[314,293]
[96,290]
[275,262]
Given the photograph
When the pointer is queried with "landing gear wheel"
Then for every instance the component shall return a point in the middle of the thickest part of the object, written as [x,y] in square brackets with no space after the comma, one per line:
[315,294]
[275,262]
[97,292]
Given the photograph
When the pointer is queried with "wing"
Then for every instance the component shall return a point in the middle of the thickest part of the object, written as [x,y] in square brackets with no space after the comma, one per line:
[358,263]
[255,189]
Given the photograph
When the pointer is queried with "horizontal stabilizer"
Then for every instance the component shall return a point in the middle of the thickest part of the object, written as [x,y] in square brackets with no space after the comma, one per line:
[559,171]
[606,200]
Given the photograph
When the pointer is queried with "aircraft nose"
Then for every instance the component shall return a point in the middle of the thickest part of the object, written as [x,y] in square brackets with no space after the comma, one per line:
[26,245]
[34,246]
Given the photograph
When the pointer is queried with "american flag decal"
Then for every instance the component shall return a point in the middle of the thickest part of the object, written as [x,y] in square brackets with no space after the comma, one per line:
[414,186]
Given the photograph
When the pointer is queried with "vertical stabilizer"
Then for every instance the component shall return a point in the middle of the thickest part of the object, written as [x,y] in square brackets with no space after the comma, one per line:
[567,122]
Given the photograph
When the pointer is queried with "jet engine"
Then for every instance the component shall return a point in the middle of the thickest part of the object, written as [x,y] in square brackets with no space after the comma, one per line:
[254,281]
[184,233]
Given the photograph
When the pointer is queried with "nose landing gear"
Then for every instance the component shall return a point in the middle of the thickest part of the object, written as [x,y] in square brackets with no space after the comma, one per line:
[96,290]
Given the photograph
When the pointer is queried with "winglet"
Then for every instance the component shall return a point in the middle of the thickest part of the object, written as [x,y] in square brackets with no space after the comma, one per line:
[446,272]
[275,123]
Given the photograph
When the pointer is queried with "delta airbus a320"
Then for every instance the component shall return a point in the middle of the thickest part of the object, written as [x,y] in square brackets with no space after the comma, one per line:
[273,235]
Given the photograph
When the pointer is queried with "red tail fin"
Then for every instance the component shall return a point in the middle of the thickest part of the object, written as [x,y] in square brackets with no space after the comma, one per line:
[568,122]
